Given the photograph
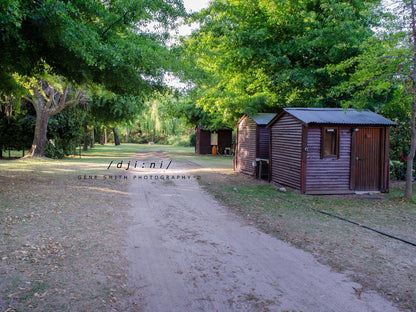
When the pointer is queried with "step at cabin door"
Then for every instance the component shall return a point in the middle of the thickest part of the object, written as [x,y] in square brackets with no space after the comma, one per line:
[366,159]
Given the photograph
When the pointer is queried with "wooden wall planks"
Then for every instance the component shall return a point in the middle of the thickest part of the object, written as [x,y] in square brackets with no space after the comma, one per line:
[286,138]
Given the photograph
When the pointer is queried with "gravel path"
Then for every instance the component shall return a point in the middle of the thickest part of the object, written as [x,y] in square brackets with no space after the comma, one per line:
[188,253]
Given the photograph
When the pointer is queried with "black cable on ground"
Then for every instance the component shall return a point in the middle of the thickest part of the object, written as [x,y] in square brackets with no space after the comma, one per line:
[316,210]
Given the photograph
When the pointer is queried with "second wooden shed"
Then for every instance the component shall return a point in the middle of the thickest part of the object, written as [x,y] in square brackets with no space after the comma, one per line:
[330,151]
[205,139]
[252,143]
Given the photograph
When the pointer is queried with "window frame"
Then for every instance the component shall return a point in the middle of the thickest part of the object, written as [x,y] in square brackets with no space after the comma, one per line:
[337,138]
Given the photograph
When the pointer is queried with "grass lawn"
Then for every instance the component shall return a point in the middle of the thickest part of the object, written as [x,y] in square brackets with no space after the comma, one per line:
[60,235]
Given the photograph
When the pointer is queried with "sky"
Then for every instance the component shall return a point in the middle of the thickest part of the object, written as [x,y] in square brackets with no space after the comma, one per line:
[195,5]
[191,6]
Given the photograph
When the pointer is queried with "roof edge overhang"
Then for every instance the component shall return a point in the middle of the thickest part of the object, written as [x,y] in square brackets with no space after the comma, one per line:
[279,115]
[307,124]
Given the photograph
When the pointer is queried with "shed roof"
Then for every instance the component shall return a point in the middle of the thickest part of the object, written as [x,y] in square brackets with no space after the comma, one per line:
[263,118]
[338,116]
[201,127]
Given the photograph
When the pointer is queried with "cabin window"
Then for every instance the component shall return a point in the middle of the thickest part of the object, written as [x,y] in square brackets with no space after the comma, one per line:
[330,142]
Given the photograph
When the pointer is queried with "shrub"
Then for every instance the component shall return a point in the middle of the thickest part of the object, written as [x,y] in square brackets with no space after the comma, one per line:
[398,169]
[192,139]
[53,151]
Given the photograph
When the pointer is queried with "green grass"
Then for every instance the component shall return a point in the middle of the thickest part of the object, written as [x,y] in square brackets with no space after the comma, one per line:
[13,154]
[102,154]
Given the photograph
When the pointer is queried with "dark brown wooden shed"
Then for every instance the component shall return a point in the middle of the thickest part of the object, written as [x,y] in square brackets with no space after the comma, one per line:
[330,150]
[252,143]
[204,139]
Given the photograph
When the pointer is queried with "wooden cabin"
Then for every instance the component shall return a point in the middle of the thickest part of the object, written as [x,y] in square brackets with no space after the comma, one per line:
[330,150]
[252,144]
[205,139]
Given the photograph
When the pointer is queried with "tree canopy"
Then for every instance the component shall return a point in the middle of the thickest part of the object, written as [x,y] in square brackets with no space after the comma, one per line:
[87,41]
[384,79]
[255,54]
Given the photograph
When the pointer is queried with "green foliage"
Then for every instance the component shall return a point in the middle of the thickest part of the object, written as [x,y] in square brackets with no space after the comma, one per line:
[183,140]
[65,131]
[379,78]
[400,141]
[192,139]
[54,151]
[160,118]
[16,125]
[383,80]
[255,55]
[113,109]
[89,41]
[398,169]
[188,109]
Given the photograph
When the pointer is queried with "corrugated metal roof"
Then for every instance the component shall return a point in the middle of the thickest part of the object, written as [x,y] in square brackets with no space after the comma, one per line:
[204,128]
[263,118]
[338,116]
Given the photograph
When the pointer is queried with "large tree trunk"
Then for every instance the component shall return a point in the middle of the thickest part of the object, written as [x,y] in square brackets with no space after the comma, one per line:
[86,137]
[92,138]
[409,170]
[116,137]
[39,139]
[47,102]
[105,135]
[411,156]
[127,135]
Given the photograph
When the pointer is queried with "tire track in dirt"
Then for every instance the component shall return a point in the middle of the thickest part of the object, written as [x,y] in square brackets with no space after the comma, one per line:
[188,253]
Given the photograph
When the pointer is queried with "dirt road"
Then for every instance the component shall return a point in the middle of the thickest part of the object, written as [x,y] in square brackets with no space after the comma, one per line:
[188,253]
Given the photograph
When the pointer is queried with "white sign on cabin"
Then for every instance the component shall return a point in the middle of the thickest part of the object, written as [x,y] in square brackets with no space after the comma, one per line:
[214,138]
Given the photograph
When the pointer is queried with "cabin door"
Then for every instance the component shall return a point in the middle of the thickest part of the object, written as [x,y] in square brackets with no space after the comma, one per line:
[367,159]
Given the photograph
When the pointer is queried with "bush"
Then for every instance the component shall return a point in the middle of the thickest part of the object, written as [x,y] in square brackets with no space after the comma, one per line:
[192,139]
[59,148]
[398,169]
[400,141]
[53,151]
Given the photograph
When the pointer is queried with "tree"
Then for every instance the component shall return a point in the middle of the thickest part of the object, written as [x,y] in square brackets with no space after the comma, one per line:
[16,124]
[47,100]
[256,55]
[412,76]
[163,116]
[384,76]
[86,41]
[111,109]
